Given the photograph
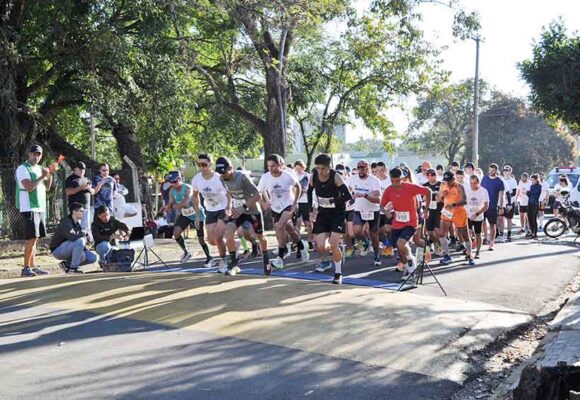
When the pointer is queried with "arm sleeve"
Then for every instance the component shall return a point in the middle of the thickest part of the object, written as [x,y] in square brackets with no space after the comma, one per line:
[344,195]
[309,196]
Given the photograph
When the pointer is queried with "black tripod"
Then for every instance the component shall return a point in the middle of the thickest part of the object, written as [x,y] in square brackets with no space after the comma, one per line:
[145,264]
[417,276]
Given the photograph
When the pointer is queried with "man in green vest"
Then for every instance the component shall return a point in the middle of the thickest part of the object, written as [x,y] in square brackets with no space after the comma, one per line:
[32,182]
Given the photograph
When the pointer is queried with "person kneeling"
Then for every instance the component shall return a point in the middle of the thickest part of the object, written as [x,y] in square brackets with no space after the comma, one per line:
[104,227]
[69,242]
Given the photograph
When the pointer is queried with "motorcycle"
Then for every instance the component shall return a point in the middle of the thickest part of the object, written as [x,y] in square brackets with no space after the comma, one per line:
[569,219]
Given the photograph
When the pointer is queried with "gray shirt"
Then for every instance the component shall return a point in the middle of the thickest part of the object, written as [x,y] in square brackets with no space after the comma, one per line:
[242,189]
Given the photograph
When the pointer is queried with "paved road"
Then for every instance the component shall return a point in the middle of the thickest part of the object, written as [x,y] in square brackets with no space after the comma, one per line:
[180,335]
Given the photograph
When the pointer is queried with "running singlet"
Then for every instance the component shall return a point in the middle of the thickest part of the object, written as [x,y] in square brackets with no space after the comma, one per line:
[404,204]
[281,189]
[364,186]
[188,211]
[326,192]
[435,188]
[212,190]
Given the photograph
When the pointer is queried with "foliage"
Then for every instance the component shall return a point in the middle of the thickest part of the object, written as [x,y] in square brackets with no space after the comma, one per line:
[552,74]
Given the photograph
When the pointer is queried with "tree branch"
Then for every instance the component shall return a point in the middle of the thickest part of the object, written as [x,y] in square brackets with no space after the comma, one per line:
[37,85]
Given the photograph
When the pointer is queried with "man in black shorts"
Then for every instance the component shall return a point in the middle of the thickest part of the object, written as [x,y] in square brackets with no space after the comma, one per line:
[477,204]
[329,218]
[245,215]
[434,218]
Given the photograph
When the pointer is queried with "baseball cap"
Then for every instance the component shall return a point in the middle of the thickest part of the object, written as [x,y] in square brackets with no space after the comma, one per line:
[173,176]
[362,163]
[35,149]
[431,172]
[339,167]
[448,176]
[81,165]
[507,168]
[222,165]
[470,165]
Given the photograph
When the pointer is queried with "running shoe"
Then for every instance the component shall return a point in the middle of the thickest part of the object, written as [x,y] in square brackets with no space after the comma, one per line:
[405,275]
[377,262]
[233,271]
[349,253]
[278,263]
[64,266]
[388,251]
[39,271]
[222,267]
[509,238]
[337,279]
[27,272]
[255,250]
[208,262]
[323,266]
[471,262]
[446,260]
[305,254]
[185,257]
[267,269]
[76,270]
[411,265]
[365,248]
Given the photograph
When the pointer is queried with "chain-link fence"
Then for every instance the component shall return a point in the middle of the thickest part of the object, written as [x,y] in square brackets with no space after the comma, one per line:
[11,224]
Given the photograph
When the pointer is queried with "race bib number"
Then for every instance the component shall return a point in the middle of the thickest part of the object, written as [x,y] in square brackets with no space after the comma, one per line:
[237,203]
[277,205]
[189,211]
[433,205]
[402,216]
[447,213]
[367,215]
[326,202]
[211,202]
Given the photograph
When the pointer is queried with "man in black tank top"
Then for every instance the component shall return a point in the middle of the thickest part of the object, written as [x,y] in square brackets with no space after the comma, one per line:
[329,215]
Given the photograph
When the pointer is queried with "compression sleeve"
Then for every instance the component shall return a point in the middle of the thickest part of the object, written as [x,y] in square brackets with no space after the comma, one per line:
[344,195]
[309,196]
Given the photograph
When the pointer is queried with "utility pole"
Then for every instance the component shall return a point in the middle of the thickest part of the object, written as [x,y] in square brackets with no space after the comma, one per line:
[475,148]
[93,137]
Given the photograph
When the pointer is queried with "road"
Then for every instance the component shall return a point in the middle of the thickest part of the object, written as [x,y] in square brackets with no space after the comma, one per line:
[200,335]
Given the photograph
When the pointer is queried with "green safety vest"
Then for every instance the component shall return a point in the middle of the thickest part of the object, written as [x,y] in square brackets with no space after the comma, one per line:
[36,197]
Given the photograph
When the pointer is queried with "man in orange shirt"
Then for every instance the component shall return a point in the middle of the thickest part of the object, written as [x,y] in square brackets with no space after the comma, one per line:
[453,212]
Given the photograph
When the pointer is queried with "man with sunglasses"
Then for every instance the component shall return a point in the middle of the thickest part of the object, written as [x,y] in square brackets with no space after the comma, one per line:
[366,191]
[329,216]
[434,219]
[105,187]
[214,195]
[510,191]
[244,214]
[281,190]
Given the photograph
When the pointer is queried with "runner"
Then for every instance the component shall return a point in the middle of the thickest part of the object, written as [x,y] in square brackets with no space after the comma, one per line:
[181,201]
[215,201]
[303,211]
[280,192]
[440,170]
[510,191]
[349,214]
[544,202]
[366,191]
[454,167]
[385,224]
[495,188]
[522,196]
[469,170]
[477,204]
[453,212]
[329,216]
[402,195]
[374,169]
[434,219]
[244,214]
[422,176]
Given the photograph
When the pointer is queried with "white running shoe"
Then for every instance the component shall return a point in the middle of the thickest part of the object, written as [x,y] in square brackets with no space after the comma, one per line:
[222,267]
[305,253]
[278,263]
[208,263]
[185,257]
[412,265]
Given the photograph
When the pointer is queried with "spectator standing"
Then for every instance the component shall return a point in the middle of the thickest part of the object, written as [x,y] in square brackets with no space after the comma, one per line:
[105,188]
[534,200]
[78,189]
[32,182]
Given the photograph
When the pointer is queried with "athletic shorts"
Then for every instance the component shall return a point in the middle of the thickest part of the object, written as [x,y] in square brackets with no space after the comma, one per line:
[212,217]
[328,222]
[349,215]
[523,209]
[254,220]
[184,223]
[433,220]
[385,221]
[459,218]
[509,214]
[304,212]
[405,233]
[491,216]
[373,223]
[556,205]
[34,224]
[276,216]
[476,226]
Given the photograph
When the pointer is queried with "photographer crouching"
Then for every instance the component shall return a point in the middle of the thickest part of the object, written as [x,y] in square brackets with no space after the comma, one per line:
[69,242]
[103,228]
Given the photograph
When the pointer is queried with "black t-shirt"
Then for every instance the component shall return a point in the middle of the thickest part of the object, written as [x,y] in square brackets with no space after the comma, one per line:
[435,188]
[84,197]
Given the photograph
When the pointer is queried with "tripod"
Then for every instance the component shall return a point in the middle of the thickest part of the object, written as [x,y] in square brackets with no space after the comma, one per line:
[145,253]
[417,275]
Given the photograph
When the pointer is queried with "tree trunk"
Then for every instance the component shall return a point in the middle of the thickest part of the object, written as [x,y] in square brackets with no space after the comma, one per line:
[128,145]
[274,139]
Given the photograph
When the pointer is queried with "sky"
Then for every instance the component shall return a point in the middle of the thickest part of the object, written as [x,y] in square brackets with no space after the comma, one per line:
[508,29]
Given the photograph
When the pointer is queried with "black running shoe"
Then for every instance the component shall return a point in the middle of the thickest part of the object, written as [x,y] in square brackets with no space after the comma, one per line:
[337,279]
[64,266]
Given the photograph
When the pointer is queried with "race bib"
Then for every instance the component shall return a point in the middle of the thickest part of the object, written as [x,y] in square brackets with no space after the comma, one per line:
[186,212]
[237,203]
[402,216]
[211,202]
[447,213]
[326,202]
[433,205]
[277,205]
[367,215]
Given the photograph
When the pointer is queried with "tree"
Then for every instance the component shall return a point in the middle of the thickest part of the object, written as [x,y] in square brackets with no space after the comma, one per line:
[443,120]
[552,74]
[511,133]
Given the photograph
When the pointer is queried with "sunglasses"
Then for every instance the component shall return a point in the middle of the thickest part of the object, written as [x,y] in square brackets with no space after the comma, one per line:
[203,164]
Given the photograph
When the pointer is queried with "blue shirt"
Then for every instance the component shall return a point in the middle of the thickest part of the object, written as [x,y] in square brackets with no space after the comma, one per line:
[534,194]
[105,196]
[493,186]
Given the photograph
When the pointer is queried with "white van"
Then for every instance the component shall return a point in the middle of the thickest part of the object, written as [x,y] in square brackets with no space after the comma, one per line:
[573,174]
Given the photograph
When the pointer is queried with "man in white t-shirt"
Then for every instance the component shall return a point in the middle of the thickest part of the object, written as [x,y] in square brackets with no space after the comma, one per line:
[511,186]
[477,203]
[215,201]
[523,186]
[545,196]
[385,224]
[280,192]
[32,183]
[366,191]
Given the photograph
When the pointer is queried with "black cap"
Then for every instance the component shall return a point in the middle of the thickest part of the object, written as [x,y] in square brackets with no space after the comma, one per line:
[81,165]
[222,165]
[339,167]
[448,176]
[173,176]
[35,149]
[470,165]
[431,172]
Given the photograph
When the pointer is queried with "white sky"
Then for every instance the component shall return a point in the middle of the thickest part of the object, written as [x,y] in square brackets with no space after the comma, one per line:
[508,28]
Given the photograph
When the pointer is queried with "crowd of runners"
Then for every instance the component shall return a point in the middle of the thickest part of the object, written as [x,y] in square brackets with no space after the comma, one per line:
[369,208]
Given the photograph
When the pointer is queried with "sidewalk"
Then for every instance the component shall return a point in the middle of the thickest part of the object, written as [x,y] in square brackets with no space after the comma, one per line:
[555,369]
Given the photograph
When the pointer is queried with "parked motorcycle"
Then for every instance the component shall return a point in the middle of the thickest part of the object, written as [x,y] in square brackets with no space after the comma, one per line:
[569,219]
